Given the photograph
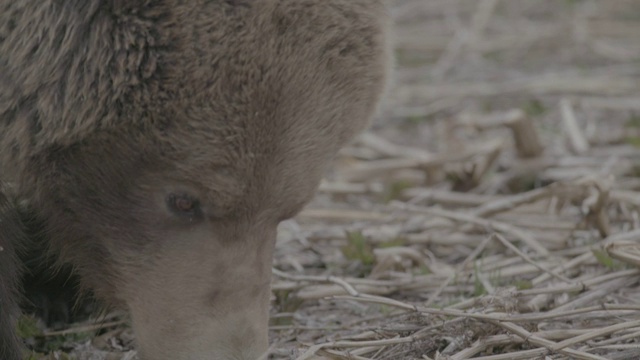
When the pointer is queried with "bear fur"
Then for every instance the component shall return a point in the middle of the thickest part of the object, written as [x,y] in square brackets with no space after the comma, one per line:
[11,238]
[162,141]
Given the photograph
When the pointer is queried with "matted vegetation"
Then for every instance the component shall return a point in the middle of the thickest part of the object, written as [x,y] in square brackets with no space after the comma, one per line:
[493,210]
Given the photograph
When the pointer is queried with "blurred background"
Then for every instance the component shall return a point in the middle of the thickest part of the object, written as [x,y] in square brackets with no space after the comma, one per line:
[491,211]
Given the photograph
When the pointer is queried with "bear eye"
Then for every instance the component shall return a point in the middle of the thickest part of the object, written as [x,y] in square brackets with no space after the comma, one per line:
[184,205]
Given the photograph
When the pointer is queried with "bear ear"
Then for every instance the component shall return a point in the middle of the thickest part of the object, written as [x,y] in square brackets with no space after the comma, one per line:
[130,6]
[243,3]
[135,6]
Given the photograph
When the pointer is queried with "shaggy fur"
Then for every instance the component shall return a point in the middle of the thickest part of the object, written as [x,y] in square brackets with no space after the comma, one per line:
[11,236]
[112,109]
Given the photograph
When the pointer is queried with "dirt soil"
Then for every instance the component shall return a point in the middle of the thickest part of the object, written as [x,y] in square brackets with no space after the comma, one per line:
[491,212]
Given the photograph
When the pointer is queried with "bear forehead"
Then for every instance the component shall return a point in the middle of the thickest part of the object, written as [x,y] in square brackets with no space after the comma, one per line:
[213,68]
[269,103]
[275,160]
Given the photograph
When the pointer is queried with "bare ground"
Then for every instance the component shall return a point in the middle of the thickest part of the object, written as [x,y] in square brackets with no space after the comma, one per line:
[493,210]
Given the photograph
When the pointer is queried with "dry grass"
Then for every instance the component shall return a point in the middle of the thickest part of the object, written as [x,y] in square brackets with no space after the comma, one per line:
[492,212]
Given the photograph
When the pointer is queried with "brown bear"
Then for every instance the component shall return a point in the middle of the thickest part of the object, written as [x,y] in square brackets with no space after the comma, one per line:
[162,141]
[11,236]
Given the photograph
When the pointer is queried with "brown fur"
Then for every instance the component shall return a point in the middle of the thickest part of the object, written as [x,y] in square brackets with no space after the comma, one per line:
[107,107]
[11,236]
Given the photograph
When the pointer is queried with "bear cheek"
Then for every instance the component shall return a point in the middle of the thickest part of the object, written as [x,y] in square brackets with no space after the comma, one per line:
[205,293]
